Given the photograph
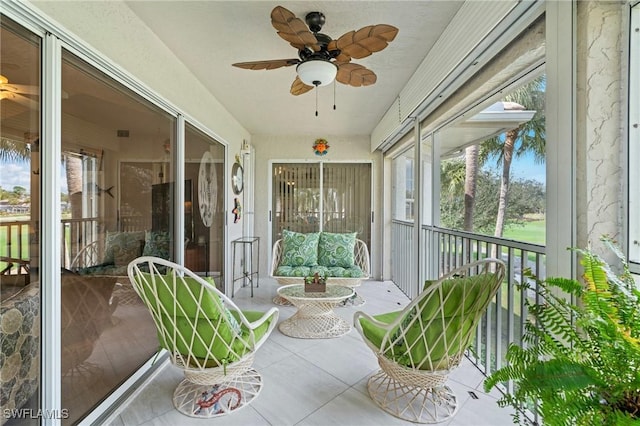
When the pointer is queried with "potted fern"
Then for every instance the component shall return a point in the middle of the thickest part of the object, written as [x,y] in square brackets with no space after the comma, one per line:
[581,361]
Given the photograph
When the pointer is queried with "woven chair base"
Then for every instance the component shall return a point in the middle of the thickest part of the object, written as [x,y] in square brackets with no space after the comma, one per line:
[412,403]
[214,400]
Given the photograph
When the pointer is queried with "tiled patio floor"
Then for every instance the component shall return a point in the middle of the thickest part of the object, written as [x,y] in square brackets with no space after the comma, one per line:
[314,381]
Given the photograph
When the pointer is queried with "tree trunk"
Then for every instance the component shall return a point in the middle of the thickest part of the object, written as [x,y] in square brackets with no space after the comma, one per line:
[471,175]
[507,152]
[73,168]
[74,184]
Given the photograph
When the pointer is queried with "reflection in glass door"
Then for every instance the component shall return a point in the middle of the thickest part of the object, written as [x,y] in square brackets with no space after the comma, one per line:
[19,218]
[204,205]
[117,150]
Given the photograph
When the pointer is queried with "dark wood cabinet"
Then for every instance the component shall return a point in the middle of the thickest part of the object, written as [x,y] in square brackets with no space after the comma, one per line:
[195,258]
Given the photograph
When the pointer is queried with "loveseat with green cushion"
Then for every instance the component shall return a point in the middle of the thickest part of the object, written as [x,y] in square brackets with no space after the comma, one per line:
[111,255]
[341,258]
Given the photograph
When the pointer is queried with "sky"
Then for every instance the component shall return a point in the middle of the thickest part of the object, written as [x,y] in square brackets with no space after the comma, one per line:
[18,174]
[522,168]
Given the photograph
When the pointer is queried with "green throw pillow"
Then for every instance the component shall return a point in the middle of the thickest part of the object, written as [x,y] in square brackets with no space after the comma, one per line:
[299,249]
[157,243]
[122,240]
[336,249]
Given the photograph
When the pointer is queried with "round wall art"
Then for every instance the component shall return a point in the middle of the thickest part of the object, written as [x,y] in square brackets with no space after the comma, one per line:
[207,189]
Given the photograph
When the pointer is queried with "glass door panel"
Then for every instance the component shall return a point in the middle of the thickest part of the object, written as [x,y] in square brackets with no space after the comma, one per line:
[332,197]
[118,168]
[296,198]
[19,218]
[204,205]
[346,191]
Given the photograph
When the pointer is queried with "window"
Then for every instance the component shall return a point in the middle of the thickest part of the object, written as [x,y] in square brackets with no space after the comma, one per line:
[403,186]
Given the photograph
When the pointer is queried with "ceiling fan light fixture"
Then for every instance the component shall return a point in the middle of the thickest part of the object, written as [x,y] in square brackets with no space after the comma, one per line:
[317,72]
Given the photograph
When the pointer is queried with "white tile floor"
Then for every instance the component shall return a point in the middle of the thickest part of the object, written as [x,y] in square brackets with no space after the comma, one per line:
[314,381]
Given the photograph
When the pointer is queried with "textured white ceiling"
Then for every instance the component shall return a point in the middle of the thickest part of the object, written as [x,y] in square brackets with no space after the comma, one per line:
[208,36]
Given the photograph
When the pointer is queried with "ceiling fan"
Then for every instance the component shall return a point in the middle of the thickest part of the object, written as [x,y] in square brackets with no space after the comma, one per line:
[322,59]
[16,92]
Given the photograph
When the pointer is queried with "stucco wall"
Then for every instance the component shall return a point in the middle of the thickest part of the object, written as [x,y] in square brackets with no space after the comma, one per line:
[298,148]
[601,105]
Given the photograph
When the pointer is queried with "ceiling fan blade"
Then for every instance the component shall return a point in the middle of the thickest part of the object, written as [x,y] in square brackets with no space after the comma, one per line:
[298,87]
[362,43]
[20,88]
[267,65]
[22,100]
[355,75]
[292,29]
[342,57]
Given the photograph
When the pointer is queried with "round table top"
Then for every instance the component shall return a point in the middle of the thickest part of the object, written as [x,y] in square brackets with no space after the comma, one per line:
[334,291]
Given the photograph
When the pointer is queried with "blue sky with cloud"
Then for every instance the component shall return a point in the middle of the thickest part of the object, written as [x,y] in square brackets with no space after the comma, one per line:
[19,174]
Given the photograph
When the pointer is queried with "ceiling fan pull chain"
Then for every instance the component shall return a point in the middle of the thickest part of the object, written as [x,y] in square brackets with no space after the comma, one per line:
[334,95]
[316,100]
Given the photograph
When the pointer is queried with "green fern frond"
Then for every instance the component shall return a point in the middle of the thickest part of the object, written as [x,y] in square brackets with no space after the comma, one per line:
[582,359]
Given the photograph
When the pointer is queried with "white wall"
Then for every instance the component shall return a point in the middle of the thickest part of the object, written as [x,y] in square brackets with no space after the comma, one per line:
[111,30]
[299,148]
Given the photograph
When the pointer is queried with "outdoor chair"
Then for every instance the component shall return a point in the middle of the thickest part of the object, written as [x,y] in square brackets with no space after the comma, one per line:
[418,346]
[207,336]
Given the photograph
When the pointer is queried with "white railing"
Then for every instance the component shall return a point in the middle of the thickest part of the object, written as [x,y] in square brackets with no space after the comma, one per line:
[402,261]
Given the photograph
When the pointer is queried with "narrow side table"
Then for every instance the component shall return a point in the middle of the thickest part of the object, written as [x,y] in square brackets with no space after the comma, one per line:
[249,269]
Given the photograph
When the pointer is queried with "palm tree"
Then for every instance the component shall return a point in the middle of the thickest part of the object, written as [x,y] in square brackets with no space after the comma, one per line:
[527,138]
[11,150]
[471,167]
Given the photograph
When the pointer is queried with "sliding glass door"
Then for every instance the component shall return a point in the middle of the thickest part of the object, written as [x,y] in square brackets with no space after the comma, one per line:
[312,197]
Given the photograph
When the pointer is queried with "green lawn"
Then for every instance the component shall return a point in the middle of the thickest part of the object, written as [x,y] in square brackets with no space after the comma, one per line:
[531,232]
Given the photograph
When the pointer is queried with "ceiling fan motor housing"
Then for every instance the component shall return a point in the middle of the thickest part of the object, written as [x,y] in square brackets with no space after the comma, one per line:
[315,21]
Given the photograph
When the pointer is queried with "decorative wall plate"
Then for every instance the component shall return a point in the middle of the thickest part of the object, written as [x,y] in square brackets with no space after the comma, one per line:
[207,189]
[237,178]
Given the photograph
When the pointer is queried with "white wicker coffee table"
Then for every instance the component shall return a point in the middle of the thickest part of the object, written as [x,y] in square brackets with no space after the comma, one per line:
[315,318]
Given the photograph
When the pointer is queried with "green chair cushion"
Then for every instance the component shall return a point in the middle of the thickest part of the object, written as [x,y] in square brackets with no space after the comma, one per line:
[293,271]
[374,333]
[340,272]
[200,328]
[323,271]
[444,321]
[336,249]
[299,249]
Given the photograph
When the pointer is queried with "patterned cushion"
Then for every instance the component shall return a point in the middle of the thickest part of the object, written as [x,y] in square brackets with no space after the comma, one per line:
[124,240]
[112,270]
[123,255]
[336,249]
[293,271]
[20,349]
[322,271]
[157,243]
[340,272]
[299,249]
